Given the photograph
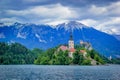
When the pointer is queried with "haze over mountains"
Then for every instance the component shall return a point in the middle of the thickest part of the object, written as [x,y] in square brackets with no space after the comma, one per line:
[47,36]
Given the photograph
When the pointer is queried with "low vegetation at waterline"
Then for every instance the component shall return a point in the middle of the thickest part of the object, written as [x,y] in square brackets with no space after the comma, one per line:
[16,53]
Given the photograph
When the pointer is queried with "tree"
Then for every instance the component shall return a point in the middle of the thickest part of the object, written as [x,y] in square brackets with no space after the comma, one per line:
[44,60]
[81,59]
[86,62]
[17,48]
[92,54]
[16,53]
[3,48]
[76,57]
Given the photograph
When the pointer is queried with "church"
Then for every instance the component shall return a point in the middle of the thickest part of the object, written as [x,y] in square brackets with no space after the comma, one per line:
[70,46]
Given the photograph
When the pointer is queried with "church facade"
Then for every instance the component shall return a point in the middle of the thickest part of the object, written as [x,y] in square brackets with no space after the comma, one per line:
[70,46]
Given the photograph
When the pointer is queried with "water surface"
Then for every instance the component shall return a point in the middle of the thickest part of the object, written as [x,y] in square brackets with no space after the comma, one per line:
[45,72]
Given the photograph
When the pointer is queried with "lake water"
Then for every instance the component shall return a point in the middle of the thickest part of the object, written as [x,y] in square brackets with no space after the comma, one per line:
[41,72]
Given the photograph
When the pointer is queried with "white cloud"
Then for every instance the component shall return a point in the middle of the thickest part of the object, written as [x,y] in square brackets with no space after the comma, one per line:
[109,25]
[114,8]
[56,11]
[108,10]
[105,18]
[97,10]
[9,21]
[89,22]
[56,22]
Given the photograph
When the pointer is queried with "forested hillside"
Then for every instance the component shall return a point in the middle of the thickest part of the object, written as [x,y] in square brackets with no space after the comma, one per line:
[15,53]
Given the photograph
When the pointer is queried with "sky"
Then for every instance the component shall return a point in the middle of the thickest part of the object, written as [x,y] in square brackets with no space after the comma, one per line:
[103,15]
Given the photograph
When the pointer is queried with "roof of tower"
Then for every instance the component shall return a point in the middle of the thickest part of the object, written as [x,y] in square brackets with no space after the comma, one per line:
[71,37]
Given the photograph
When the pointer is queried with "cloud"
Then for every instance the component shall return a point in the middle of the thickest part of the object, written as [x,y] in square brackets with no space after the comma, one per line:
[89,22]
[104,18]
[97,10]
[102,15]
[114,8]
[9,21]
[56,11]
[109,10]
[56,22]
[110,25]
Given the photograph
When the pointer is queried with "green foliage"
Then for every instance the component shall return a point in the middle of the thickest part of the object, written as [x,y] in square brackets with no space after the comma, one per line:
[54,57]
[92,53]
[3,48]
[45,60]
[18,48]
[115,61]
[16,53]
[78,58]
[95,55]
[81,59]
[79,47]
[86,62]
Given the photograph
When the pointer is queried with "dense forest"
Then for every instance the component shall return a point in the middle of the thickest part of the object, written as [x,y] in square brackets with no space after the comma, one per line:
[15,53]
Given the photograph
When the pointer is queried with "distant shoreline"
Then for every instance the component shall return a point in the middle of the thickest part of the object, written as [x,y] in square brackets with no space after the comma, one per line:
[62,65]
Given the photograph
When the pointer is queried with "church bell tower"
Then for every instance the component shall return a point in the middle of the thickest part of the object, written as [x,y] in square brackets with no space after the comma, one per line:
[71,42]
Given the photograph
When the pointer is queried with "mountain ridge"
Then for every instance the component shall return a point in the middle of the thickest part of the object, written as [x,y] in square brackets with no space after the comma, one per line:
[45,36]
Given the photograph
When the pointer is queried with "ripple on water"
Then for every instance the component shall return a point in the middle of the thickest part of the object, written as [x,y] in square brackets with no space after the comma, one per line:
[40,72]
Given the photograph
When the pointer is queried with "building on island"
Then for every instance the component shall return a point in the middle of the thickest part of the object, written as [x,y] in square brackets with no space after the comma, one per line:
[71,42]
[87,45]
[63,48]
[71,48]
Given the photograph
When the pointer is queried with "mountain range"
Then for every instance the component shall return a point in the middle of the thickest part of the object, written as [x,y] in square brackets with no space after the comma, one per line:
[47,36]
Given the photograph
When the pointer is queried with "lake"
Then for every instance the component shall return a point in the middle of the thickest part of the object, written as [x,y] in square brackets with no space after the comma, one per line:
[50,72]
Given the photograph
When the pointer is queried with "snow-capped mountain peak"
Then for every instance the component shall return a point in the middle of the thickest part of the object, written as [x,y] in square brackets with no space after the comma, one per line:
[71,25]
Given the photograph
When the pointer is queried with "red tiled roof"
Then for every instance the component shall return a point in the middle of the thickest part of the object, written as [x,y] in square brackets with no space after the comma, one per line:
[82,51]
[63,48]
[72,50]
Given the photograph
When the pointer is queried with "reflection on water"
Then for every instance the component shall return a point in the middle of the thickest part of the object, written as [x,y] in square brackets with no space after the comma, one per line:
[41,72]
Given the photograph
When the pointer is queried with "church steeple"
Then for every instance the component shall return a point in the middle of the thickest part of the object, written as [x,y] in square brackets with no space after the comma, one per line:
[71,42]
[71,37]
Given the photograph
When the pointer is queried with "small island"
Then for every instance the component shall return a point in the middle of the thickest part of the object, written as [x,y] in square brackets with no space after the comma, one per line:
[70,54]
